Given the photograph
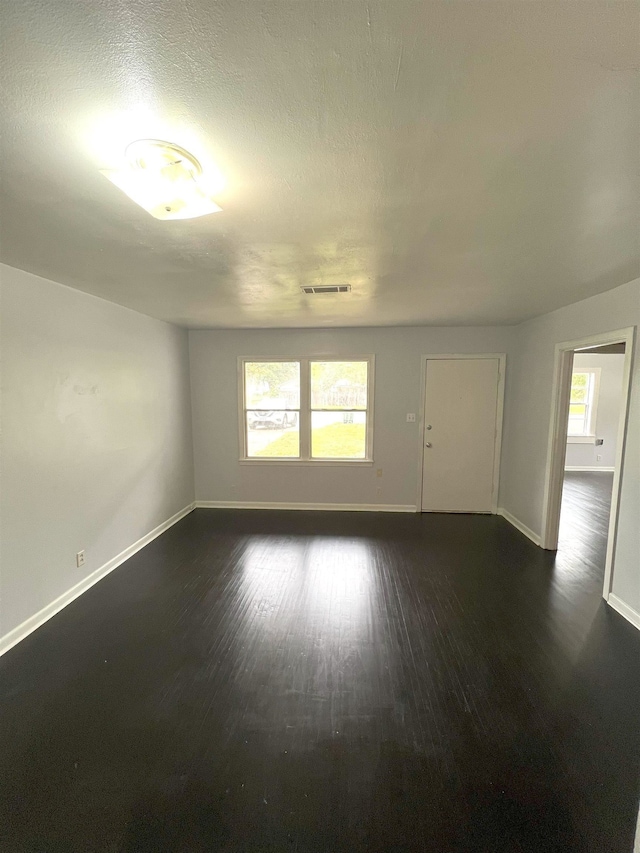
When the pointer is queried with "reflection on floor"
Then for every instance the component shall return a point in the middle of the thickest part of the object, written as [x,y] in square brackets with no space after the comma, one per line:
[584,521]
[326,683]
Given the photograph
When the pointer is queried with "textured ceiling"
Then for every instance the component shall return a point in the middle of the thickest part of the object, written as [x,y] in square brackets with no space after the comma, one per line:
[456,163]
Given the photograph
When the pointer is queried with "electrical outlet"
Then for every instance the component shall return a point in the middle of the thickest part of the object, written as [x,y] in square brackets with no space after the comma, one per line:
[379,472]
[80,559]
[599,458]
[378,491]
[411,418]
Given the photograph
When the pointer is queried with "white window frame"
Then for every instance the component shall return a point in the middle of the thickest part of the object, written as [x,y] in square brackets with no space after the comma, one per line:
[304,421]
[589,437]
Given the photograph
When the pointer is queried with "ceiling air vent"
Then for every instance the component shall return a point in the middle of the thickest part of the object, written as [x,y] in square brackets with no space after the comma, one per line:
[329,288]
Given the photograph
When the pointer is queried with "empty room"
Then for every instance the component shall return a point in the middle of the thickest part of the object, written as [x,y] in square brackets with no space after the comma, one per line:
[320,426]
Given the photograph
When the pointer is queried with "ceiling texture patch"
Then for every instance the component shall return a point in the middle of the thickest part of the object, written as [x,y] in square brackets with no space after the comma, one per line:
[455,163]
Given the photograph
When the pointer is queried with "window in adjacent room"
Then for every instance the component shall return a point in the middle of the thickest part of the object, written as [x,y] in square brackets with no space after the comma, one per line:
[583,404]
[306,410]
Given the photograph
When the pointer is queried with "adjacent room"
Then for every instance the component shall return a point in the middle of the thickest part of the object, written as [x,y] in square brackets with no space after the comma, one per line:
[597,410]
[320,427]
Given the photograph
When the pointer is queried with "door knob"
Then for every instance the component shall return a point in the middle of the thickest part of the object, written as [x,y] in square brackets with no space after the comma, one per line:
[428,444]
[428,426]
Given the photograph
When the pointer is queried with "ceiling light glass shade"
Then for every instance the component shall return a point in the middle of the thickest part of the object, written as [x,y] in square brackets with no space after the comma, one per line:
[165,180]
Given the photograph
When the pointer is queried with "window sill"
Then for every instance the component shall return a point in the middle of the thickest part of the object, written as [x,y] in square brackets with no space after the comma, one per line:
[313,463]
[581,439]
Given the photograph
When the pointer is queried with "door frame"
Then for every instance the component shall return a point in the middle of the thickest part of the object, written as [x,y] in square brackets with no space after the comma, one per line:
[557,442]
[502,366]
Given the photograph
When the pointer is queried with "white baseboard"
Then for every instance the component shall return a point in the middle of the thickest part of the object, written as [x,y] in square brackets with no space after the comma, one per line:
[29,625]
[588,468]
[624,610]
[520,526]
[299,506]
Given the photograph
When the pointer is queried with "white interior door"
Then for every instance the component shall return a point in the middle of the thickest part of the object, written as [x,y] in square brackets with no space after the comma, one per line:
[460,417]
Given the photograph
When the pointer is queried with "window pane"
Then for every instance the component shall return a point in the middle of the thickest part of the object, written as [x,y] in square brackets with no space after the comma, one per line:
[577,419]
[338,435]
[576,426]
[272,384]
[580,387]
[339,384]
[273,433]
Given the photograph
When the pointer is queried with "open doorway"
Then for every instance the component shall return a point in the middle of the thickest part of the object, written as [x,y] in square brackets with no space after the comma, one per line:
[586,448]
[595,405]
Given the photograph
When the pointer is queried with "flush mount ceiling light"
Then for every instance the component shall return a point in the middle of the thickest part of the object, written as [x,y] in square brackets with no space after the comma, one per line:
[164,179]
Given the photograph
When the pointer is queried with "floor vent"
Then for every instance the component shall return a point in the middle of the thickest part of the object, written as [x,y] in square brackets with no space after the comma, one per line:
[329,288]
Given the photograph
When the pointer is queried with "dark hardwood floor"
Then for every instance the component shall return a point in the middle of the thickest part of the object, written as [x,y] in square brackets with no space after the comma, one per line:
[584,520]
[327,683]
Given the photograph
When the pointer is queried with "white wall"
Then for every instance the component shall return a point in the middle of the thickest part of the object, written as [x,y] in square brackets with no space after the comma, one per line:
[528,411]
[611,366]
[398,351]
[96,436]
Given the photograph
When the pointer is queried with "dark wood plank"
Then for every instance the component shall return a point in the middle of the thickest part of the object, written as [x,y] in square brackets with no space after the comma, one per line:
[584,520]
[327,682]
